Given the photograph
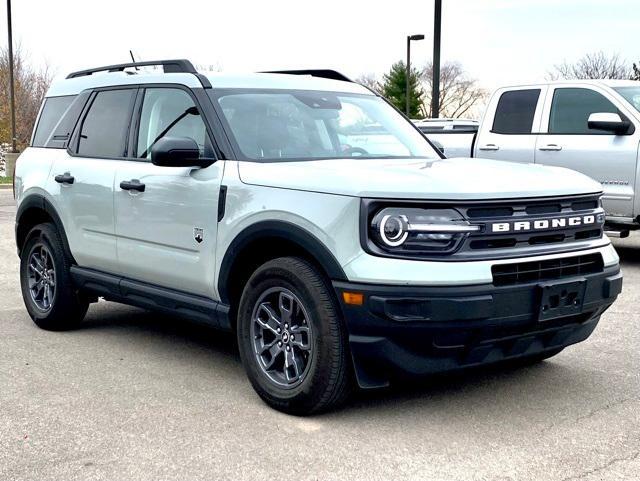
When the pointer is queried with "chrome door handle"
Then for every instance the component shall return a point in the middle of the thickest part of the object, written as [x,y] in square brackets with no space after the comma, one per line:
[65,178]
[551,147]
[489,147]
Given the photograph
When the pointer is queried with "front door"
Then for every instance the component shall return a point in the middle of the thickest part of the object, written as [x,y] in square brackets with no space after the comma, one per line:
[166,224]
[604,156]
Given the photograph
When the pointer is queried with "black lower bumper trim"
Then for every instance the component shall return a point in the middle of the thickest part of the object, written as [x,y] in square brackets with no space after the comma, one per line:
[424,330]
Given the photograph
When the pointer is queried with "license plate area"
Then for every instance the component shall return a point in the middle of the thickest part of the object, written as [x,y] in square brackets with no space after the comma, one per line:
[559,299]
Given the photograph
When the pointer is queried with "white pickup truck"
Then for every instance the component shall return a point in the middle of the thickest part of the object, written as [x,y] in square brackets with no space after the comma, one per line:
[592,126]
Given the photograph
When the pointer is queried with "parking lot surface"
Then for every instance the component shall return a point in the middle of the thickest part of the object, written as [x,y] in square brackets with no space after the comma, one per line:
[135,395]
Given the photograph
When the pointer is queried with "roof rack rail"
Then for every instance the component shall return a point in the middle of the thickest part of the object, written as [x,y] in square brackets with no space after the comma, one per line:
[168,66]
[322,73]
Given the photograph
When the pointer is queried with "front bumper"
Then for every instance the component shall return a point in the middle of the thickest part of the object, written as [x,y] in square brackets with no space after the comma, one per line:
[402,330]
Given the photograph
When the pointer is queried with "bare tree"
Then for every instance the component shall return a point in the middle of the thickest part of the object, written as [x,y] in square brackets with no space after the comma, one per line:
[30,86]
[635,75]
[459,92]
[596,65]
[369,80]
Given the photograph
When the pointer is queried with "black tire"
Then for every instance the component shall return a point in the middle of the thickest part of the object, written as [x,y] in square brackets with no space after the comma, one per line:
[66,307]
[327,378]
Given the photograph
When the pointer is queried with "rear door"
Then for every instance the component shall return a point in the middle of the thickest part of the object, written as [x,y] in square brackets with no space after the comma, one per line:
[510,125]
[83,177]
[166,234]
[567,141]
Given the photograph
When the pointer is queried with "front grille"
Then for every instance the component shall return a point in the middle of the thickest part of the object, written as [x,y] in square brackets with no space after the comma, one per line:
[490,243]
[545,270]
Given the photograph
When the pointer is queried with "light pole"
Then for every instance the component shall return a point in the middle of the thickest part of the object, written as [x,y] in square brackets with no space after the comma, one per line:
[12,101]
[409,39]
[435,94]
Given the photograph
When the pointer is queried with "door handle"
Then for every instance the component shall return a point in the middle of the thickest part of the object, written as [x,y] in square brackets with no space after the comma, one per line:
[65,178]
[489,147]
[551,147]
[133,184]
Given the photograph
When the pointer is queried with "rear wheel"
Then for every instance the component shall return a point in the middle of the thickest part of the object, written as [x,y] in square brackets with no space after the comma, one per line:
[48,293]
[292,342]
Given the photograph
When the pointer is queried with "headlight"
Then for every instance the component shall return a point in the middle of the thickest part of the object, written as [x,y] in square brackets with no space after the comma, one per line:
[414,231]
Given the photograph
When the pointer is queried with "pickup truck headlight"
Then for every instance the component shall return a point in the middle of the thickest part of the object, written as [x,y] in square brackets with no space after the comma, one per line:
[408,231]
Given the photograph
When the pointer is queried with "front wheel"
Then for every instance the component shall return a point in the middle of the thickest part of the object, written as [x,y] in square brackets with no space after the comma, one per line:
[291,339]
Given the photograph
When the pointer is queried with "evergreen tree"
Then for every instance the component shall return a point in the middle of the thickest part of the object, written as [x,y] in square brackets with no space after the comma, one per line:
[394,87]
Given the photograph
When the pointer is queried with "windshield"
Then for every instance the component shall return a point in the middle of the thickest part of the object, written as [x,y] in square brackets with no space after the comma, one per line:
[631,95]
[309,125]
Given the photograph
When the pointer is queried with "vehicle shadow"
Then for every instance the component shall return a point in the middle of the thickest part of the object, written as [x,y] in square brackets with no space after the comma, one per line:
[630,254]
[209,348]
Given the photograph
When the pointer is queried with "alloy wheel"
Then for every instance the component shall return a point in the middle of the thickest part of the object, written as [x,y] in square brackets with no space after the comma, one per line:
[41,277]
[282,337]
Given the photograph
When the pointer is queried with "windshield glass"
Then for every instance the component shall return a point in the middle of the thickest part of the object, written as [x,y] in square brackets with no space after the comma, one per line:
[309,125]
[631,95]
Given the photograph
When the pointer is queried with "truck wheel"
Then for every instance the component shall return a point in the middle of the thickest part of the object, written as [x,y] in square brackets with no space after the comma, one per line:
[291,339]
[48,293]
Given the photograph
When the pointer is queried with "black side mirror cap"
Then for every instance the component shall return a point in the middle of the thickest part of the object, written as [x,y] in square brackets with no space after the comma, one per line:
[609,122]
[177,152]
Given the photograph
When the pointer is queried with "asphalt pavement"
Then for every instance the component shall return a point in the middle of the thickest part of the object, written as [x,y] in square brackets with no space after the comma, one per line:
[136,395]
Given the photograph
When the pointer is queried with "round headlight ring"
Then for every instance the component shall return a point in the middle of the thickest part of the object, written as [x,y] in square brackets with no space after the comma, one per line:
[398,226]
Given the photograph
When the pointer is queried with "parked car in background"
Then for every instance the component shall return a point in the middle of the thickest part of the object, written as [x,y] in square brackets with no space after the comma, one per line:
[455,134]
[592,126]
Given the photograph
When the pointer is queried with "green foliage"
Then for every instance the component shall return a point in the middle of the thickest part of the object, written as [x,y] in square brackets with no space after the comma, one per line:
[394,88]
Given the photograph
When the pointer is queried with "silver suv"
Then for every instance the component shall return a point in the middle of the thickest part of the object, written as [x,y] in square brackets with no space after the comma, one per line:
[302,211]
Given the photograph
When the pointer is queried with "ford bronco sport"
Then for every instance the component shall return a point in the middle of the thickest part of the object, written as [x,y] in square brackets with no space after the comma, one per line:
[303,212]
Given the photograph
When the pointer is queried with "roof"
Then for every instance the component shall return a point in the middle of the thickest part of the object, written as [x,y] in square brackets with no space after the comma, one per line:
[73,86]
[601,82]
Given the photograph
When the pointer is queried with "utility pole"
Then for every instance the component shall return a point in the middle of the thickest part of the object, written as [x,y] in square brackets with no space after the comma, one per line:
[409,39]
[435,94]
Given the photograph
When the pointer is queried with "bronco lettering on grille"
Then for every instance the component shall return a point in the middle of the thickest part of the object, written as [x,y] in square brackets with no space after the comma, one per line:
[546,224]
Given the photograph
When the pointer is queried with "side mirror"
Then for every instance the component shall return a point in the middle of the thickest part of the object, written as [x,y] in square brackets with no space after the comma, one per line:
[608,121]
[177,152]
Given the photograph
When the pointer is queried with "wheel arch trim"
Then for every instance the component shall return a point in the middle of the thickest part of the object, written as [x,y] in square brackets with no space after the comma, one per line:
[39,202]
[277,229]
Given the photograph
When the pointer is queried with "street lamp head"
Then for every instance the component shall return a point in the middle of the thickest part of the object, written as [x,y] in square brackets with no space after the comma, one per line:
[416,37]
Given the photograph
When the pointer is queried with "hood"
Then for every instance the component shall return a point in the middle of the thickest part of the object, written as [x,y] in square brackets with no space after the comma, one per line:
[441,179]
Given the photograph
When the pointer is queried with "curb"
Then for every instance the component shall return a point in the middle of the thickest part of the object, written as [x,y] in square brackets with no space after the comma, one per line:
[5,186]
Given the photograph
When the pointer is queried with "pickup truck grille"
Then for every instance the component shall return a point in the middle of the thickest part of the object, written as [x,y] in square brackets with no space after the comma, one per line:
[531,226]
[526,272]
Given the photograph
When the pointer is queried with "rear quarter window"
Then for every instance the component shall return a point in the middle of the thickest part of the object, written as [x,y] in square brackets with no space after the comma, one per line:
[53,110]
[515,112]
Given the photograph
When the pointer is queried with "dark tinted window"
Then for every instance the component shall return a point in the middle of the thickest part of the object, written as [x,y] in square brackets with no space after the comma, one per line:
[170,112]
[52,111]
[571,108]
[104,129]
[515,111]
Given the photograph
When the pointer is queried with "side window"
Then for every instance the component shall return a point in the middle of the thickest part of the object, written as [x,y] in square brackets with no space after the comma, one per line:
[170,112]
[515,111]
[571,108]
[103,131]
[52,111]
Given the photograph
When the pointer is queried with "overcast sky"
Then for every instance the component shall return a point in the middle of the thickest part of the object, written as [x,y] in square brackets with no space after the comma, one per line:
[497,41]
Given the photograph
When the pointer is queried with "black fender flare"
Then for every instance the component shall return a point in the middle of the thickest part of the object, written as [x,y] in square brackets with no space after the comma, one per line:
[277,229]
[37,201]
